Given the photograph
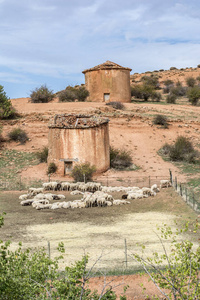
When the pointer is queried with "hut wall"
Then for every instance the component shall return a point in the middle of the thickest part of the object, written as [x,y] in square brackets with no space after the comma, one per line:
[85,144]
[115,82]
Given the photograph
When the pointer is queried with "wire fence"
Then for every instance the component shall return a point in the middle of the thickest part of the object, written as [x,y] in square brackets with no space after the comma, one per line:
[20,183]
[187,193]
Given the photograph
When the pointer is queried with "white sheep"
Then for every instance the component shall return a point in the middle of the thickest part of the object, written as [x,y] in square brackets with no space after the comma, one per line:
[27,202]
[165,183]
[120,202]
[24,197]
[43,206]
[35,191]
[50,185]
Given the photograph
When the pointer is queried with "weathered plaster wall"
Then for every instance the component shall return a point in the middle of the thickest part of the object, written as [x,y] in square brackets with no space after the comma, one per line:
[87,144]
[113,81]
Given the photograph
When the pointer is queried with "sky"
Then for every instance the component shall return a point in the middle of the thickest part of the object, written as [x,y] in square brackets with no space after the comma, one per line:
[52,41]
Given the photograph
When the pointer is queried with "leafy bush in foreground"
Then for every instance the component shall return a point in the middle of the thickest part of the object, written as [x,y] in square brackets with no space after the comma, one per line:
[120,158]
[83,172]
[42,95]
[179,279]
[31,274]
[18,135]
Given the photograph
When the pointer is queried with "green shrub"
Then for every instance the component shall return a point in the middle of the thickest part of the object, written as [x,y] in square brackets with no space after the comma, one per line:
[116,105]
[18,135]
[156,96]
[6,109]
[71,94]
[193,94]
[142,91]
[120,158]
[42,155]
[168,85]
[182,150]
[171,98]
[173,68]
[160,120]
[83,172]
[82,93]
[52,168]
[42,95]
[151,80]
[190,81]
[67,96]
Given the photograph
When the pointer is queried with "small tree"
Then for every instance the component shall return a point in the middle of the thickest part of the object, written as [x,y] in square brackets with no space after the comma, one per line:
[193,94]
[83,172]
[42,95]
[6,109]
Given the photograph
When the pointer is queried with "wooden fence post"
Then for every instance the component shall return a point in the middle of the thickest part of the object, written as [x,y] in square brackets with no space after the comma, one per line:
[125,253]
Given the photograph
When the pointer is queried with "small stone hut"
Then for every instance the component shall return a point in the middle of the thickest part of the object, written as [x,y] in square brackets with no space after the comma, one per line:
[78,139]
[108,82]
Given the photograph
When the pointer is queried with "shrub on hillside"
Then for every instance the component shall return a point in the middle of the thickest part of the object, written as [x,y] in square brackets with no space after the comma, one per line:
[120,158]
[116,104]
[193,94]
[182,150]
[42,95]
[18,135]
[42,154]
[71,94]
[190,81]
[160,120]
[6,109]
[151,80]
[52,168]
[142,91]
[83,172]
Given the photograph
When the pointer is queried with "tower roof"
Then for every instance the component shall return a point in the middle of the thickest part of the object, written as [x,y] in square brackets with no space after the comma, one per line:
[106,66]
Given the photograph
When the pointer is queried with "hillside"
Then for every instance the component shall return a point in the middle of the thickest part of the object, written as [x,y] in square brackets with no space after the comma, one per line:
[175,75]
[131,129]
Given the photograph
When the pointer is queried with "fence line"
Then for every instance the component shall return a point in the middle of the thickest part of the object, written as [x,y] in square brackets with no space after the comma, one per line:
[141,181]
[186,192]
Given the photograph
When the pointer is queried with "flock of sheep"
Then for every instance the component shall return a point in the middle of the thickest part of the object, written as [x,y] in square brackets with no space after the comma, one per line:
[93,195]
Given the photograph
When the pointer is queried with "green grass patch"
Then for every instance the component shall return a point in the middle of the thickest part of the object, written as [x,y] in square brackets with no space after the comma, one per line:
[11,164]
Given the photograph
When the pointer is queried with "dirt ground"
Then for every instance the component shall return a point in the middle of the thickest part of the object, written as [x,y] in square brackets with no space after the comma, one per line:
[103,229]
[130,129]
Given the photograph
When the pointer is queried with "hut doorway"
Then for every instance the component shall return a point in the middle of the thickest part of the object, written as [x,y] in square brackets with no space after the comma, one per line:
[68,166]
[106,97]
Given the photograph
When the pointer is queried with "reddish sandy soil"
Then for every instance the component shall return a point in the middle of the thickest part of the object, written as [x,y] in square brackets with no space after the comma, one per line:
[130,129]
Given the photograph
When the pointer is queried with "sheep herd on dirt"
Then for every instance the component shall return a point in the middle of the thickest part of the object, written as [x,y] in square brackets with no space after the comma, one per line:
[93,195]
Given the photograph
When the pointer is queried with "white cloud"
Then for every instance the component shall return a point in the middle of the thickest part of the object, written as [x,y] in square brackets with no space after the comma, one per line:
[60,38]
